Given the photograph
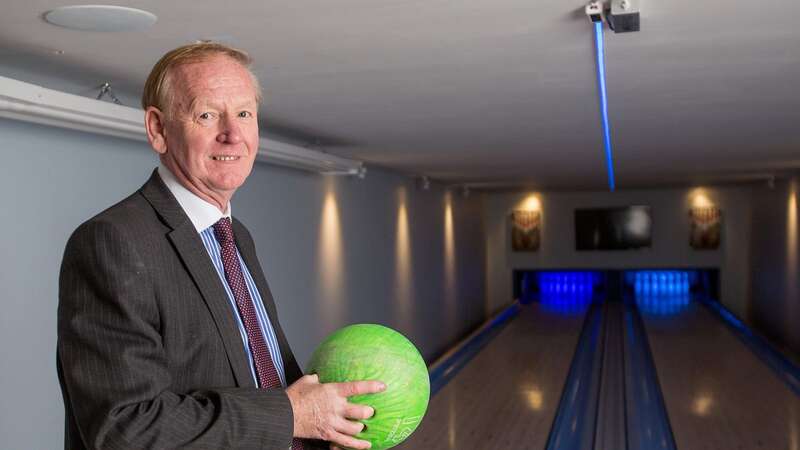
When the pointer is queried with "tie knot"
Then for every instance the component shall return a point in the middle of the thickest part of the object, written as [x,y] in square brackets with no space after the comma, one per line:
[223,230]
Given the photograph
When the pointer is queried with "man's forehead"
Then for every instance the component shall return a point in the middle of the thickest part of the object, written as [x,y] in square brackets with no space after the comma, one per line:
[216,79]
[204,99]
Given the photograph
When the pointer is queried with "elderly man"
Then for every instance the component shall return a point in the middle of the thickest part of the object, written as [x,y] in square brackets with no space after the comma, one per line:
[168,336]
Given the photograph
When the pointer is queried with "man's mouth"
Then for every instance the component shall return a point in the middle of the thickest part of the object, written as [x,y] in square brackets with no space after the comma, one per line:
[225,158]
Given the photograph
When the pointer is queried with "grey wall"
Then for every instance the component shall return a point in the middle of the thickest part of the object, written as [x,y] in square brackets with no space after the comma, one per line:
[670,248]
[362,277]
[775,270]
[55,179]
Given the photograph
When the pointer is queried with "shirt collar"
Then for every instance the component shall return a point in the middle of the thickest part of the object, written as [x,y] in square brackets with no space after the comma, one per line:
[202,213]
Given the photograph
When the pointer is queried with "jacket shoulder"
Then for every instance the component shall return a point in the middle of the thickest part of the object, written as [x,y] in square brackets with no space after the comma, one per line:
[131,216]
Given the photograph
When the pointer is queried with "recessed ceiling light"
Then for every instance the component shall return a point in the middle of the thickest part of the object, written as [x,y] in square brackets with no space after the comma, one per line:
[101,18]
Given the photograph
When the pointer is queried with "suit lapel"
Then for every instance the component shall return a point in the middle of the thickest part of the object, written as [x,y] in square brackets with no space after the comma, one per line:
[193,253]
[247,249]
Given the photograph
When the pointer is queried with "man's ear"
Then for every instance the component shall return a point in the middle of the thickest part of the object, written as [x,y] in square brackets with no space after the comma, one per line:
[155,126]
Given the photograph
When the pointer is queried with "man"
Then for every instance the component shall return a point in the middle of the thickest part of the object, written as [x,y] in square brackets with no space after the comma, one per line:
[168,336]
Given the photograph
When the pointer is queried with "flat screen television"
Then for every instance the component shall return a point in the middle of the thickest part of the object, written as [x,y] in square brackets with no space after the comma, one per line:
[621,228]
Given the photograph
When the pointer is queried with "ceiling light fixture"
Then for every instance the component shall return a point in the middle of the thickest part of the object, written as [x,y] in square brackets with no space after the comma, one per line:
[32,103]
[106,18]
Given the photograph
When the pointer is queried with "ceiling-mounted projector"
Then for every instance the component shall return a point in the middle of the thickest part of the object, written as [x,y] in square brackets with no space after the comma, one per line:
[623,16]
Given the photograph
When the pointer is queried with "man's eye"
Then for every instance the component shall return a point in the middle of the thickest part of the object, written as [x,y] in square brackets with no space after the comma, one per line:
[245,114]
[205,116]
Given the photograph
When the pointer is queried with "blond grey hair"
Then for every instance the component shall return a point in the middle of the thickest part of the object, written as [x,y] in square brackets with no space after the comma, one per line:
[158,87]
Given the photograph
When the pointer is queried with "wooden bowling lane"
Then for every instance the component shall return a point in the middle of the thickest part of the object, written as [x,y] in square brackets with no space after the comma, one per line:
[719,395]
[506,397]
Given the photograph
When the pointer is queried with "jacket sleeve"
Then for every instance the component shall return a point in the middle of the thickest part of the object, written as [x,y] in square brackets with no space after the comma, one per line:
[115,372]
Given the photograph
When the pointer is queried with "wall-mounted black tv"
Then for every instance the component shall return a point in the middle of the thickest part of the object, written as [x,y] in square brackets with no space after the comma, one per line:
[613,228]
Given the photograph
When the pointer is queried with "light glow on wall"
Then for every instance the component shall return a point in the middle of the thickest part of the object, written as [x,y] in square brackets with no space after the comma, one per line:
[331,259]
[449,259]
[404,283]
[791,229]
[793,296]
[700,198]
[531,203]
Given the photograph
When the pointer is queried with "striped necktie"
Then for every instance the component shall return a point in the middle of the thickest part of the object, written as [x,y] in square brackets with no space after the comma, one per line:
[265,368]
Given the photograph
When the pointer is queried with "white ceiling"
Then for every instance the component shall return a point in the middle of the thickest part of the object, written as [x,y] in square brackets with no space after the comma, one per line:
[473,91]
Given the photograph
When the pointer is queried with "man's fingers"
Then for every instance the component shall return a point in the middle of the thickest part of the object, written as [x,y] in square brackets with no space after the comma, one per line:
[312,378]
[360,388]
[355,411]
[344,440]
[350,427]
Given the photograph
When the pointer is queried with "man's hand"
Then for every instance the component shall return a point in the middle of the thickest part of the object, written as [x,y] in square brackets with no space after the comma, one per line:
[321,410]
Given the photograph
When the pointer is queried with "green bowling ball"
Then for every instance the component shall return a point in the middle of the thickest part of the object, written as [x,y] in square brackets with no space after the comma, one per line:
[374,352]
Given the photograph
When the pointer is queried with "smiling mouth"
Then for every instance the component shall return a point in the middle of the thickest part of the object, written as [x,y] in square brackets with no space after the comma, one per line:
[225,158]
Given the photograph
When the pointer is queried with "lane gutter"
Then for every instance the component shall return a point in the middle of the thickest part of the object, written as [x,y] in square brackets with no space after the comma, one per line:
[647,419]
[448,365]
[575,421]
[612,396]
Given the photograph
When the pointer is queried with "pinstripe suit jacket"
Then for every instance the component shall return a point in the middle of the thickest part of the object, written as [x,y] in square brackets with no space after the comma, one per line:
[149,353]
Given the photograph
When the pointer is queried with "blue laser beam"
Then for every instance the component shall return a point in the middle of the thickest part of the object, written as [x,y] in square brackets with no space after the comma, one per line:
[601,82]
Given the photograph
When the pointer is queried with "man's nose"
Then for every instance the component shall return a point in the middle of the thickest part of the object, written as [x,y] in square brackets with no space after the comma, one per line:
[230,131]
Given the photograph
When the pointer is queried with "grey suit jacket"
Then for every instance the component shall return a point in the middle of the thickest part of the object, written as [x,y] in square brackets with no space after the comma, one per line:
[149,353]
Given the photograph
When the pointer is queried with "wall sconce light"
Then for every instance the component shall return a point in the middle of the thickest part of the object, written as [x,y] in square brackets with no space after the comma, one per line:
[705,223]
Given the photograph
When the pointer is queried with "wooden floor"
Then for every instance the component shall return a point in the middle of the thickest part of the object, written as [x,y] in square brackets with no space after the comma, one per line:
[507,396]
[718,394]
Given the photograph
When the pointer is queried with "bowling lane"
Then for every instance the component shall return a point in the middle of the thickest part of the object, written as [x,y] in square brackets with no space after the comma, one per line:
[507,396]
[717,392]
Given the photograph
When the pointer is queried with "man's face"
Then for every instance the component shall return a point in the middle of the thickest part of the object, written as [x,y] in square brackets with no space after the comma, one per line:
[211,129]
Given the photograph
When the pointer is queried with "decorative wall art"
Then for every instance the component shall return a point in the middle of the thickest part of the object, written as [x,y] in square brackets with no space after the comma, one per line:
[706,227]
[525,230]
